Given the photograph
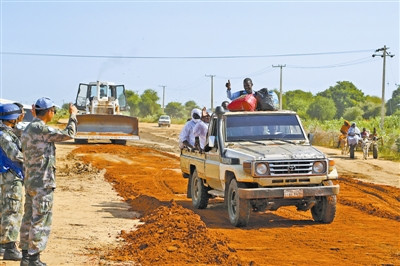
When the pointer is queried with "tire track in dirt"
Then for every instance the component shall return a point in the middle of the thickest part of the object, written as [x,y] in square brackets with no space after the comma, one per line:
[380,201]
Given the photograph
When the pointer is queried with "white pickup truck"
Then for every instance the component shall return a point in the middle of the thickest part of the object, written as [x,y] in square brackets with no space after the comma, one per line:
[260,161]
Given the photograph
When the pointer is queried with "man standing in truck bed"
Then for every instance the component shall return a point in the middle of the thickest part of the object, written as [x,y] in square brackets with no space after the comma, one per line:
[247,85]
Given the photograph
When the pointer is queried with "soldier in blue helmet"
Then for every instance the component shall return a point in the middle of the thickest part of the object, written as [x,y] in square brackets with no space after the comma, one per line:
[40,161]
[11,180]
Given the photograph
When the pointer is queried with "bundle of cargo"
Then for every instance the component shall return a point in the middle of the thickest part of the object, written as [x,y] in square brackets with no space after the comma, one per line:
[262,100]
[244,103]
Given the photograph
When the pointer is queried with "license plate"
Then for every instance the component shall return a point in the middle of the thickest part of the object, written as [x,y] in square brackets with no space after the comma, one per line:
[292,193]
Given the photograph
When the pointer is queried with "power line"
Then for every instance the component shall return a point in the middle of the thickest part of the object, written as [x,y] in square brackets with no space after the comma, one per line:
[184,57]
[348,63]
[269,68]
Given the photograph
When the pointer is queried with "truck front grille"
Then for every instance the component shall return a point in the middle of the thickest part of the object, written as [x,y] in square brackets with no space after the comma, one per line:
[281,168]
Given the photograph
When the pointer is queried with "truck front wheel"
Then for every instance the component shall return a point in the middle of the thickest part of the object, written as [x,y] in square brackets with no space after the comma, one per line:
[325,209]
[375,151]
[238,209]
[352,148]
[199,192]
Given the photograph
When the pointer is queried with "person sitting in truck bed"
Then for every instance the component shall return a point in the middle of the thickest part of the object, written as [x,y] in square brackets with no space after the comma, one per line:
[200,130]
[186,137]
[248,89]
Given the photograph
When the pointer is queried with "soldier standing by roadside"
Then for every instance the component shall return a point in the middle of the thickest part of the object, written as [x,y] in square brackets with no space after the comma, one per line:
[11,180]
[40,161]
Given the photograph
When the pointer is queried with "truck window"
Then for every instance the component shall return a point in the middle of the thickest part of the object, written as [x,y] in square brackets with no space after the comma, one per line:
[212,131]
[263,127]
[120,91]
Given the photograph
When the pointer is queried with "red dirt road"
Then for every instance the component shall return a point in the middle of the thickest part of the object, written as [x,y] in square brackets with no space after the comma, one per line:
[147,175]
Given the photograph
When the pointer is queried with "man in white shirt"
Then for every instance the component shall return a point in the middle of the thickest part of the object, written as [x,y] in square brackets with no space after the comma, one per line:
[186,137]
[200,130]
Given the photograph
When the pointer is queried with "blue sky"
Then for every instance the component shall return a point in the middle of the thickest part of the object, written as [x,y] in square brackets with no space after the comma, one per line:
[199,38]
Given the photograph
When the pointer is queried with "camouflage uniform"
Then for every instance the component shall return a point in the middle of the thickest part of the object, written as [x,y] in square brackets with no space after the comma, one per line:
[11,187]
[40,165]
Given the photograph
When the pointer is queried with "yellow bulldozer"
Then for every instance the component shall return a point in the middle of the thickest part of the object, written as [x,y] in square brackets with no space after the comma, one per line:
[101,107]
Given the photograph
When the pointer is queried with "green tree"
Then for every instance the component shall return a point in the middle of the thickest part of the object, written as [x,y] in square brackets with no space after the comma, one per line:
[148,103]
[189,106]
[65,106]
[297,101]
[371,107]
[345,95]
[394,103]
[133,100]
[322,108]
[176,110]
[353,113]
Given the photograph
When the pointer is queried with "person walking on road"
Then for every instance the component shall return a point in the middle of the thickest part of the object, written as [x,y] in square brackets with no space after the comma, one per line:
[39,153]
[11,180]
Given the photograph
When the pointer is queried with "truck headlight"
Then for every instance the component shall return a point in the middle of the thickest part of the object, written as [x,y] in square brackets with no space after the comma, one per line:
[319,167]
[261,169]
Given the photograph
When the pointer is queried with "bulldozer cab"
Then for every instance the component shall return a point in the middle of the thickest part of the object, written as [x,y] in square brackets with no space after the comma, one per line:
[105,92]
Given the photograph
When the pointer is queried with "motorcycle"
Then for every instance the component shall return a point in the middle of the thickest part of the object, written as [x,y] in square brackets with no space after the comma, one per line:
[374,145]
[352,141]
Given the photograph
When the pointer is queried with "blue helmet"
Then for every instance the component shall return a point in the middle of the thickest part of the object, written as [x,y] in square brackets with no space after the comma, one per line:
[9,111]
[44,103]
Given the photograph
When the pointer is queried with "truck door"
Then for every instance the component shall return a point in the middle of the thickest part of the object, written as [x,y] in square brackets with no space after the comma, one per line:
[212,163]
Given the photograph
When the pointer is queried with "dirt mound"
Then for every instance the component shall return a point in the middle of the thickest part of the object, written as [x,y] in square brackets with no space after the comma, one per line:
[144,204]
[174,234]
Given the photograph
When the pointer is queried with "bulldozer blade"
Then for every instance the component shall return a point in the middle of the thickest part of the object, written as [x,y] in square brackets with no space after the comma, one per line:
[117,127]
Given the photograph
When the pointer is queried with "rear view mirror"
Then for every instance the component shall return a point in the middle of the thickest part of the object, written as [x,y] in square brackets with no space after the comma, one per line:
[211,141]
[310,137]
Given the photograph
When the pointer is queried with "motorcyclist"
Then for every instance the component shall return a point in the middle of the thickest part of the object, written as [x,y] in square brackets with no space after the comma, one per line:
[374,135]
[353,135]
[364,133]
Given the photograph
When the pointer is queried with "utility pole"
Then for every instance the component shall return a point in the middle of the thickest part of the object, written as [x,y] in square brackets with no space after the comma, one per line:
[384,54]
[280,90]
[212,91]
[163,96]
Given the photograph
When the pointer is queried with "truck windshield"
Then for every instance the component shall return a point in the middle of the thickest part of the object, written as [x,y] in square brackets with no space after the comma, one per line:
[263,127]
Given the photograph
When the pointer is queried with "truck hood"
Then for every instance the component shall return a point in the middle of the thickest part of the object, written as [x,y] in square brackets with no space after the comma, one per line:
[275,151]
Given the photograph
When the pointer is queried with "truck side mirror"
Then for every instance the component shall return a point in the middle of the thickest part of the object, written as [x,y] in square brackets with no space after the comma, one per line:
[211,141]
[310,137]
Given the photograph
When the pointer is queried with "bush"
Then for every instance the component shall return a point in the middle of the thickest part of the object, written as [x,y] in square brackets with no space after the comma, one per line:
[353,113]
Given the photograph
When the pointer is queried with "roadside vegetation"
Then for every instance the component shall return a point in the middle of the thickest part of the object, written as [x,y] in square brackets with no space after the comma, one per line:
[322,114]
